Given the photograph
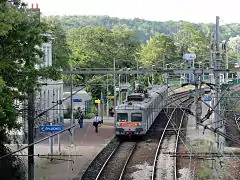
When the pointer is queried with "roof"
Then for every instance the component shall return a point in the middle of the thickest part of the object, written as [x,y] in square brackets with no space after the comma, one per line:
[153,93]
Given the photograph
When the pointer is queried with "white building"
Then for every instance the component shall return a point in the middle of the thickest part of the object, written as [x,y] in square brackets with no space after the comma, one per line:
[82,94]
[50,92]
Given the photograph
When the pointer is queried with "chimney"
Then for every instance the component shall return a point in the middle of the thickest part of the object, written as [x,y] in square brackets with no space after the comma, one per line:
[36,6]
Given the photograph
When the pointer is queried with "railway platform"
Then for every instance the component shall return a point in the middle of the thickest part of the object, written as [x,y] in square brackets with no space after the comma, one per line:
[87,145]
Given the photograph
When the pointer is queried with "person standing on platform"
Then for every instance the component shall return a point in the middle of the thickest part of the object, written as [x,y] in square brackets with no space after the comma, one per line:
[79,116]
[96,121]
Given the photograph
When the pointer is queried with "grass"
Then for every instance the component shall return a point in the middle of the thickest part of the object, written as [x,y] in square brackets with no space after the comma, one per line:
[204,173]
[237,108]
[44,164]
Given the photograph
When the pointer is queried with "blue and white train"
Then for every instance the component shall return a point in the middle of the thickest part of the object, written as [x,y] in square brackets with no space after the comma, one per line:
[135,115]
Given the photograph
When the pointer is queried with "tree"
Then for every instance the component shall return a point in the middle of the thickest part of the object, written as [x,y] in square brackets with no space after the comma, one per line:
[191,39]
[96,47]
[20,39]
[158,51]
[61,50]
[126,46]
[233,50]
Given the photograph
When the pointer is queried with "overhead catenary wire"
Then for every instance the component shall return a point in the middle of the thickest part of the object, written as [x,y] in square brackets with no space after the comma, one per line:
[223,118]
[221,153]
[216,130]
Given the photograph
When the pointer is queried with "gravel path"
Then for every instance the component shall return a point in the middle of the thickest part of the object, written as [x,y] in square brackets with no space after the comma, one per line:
[141,163]
[143,172]
[185,174]
[165,163]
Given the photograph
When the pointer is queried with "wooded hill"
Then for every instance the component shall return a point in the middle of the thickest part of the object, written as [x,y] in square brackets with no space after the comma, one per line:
[144,28]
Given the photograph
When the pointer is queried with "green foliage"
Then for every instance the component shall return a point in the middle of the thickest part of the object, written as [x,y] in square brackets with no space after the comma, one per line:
[144,29]
[20,39]
[205,173]
[89,115]
[190,39]
[158,51]
[12,167]
[61,50]
[96,47]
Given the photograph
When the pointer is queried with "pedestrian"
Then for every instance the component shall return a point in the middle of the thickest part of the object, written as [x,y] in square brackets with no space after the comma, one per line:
[79,116]
[96,121]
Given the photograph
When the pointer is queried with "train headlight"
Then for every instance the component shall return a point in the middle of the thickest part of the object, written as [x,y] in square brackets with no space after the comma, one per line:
[139,124]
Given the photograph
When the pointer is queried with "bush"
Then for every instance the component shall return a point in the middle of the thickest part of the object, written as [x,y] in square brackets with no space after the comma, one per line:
[68,113]
[204,173]
[11,167]
[89,116]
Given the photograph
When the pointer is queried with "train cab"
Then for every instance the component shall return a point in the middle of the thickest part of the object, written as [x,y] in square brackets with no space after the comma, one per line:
[129,123]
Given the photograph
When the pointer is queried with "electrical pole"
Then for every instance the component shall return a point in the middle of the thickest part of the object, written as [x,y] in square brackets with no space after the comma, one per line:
[101,104]
[71,99]
[217,82]
[107,99]
[211,57]
[198,103]
[31,115]
[120,89]
[226,61]
[35,13]
[114,86]
[211,52]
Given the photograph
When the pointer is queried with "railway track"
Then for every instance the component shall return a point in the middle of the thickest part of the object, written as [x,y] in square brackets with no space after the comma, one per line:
[121,162]
[165,166]
[142,160]
[115,165]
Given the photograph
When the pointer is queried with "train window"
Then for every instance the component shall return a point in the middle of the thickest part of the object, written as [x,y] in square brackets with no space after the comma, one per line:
[122,117]
[136,117]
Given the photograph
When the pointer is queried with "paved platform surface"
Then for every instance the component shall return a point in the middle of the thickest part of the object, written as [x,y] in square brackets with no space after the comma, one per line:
[87,145]
[84,136]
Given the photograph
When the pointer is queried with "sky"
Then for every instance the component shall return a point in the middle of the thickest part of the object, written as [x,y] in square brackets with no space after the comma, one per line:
[156,10]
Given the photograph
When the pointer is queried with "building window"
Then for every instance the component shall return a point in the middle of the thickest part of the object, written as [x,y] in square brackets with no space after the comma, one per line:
[40,100]
[47,56]
[48,99]
[44,100]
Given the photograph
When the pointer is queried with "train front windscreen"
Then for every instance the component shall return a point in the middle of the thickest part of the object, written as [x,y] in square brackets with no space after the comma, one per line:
[122,117]
[136,117]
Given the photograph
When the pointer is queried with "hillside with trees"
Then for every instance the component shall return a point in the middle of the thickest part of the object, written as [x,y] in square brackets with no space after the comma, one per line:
[144,29]
[95,40]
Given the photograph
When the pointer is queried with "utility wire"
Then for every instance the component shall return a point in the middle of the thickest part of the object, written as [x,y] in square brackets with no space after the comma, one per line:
[223,118]
[43,139]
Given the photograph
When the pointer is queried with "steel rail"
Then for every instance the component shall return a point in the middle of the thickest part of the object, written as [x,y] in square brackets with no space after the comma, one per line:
[125,165]
[104,165]
[176,145]
[161,140]
[159,145]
